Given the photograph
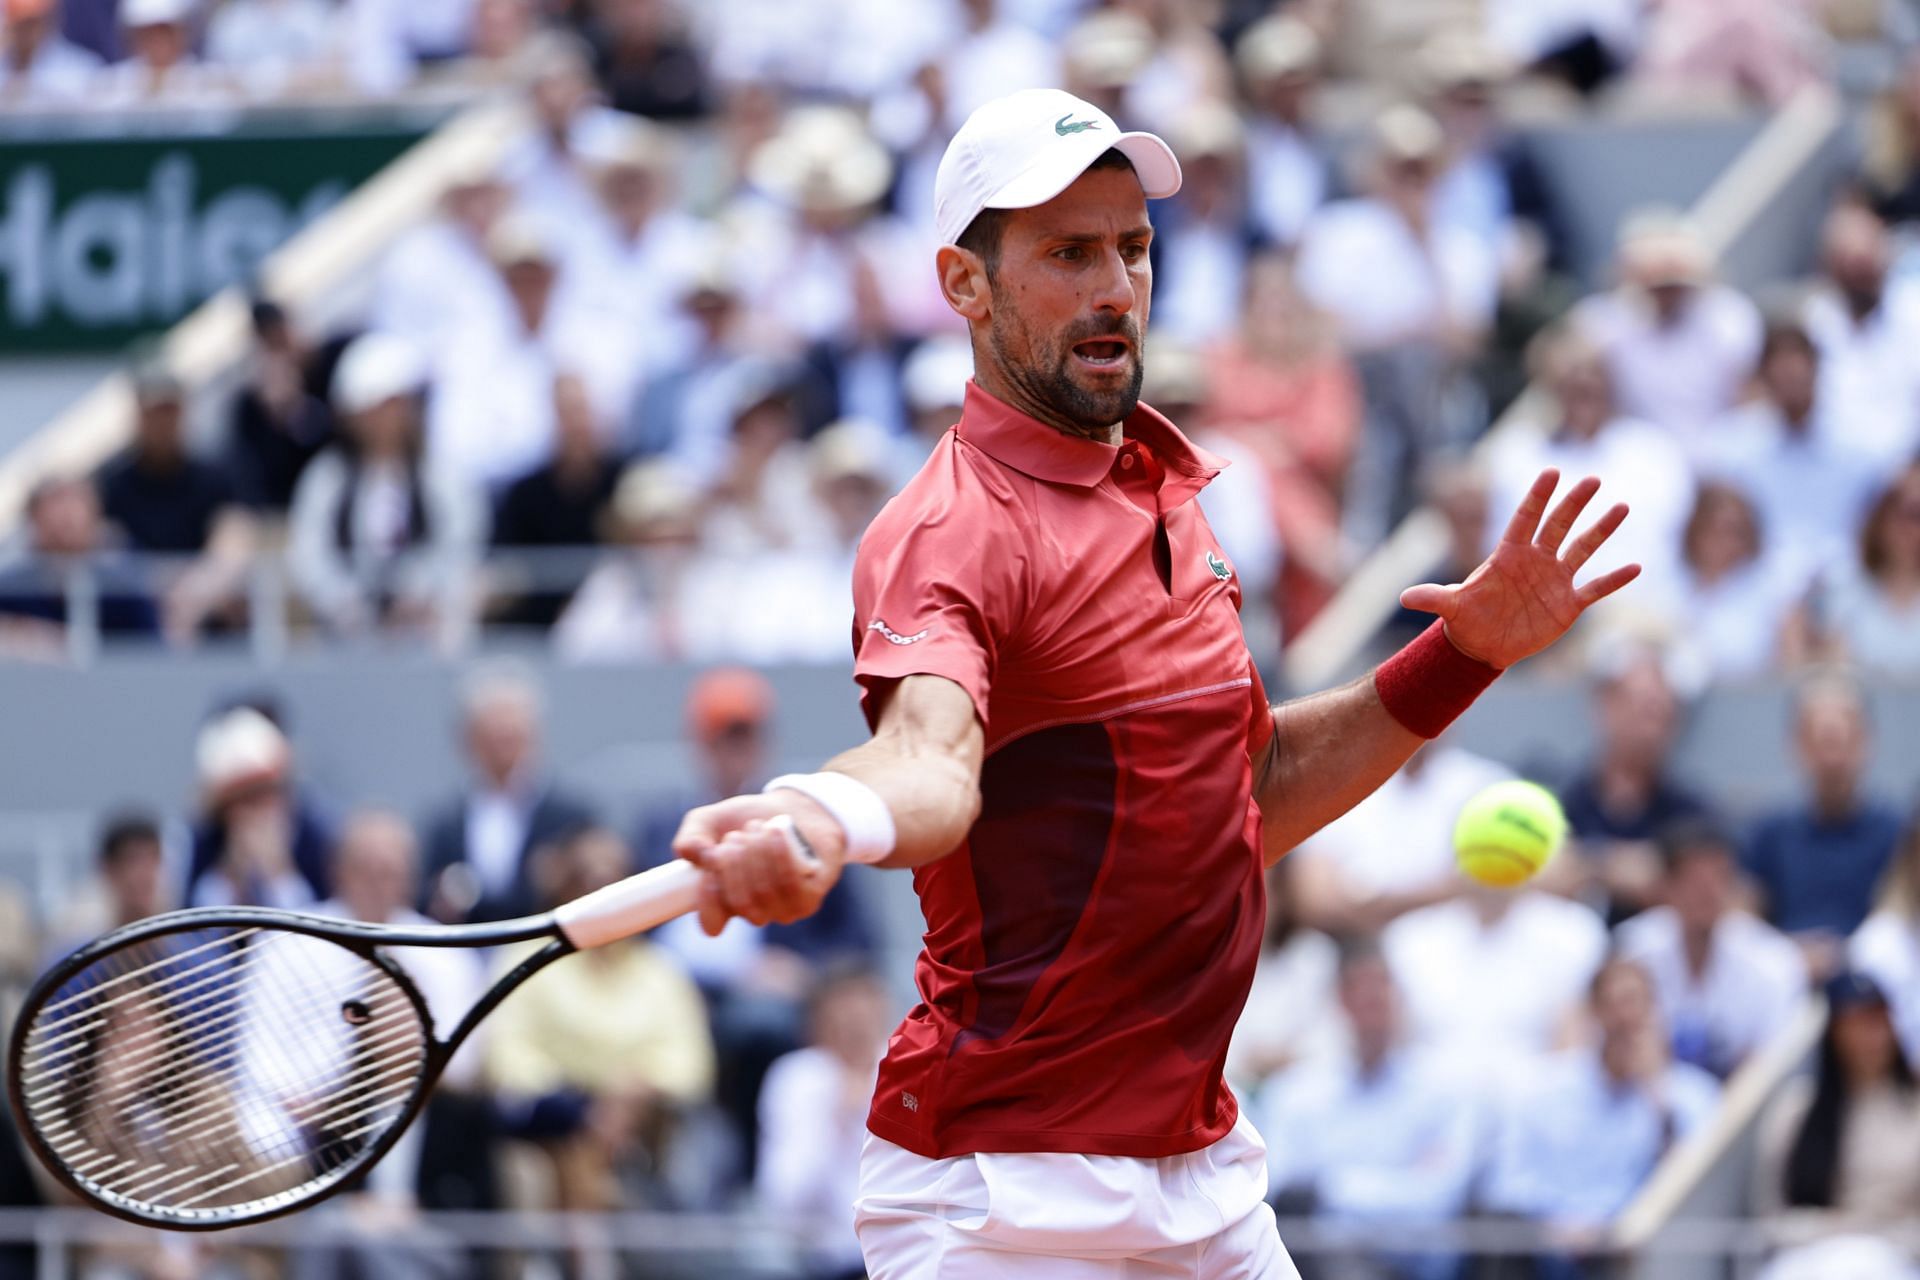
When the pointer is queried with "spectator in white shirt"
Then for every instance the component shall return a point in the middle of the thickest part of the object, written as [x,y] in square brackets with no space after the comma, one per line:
[374,535]
[39,67]
[1412,296]
[162,69]
[1385,266]
[1584,42]
[1594,435]
[1288,173]
[1385,1134]
[637,271]
[1887,947]
[992,55]
[1680,346]
[437,281]
[1867,328]
[1727,981]
[1546,948]
[813,1118]
[643,597]
[552,168]
[1393,852]
[1577,1140]
[1291,1015]
[1727,608]
[491,417]
[1811,485]
[760,499]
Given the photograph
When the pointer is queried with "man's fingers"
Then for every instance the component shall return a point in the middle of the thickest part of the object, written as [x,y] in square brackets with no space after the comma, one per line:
[1554,532]
[1430,597]
[713,912]
[1606,584]
[697,834]
[1527,519]
[759,877]
[1595,534]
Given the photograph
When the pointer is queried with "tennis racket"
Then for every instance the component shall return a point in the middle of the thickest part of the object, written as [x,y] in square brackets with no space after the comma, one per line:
[211,1067]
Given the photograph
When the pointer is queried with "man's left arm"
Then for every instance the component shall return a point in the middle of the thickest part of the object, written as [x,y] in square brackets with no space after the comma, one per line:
[1330,750]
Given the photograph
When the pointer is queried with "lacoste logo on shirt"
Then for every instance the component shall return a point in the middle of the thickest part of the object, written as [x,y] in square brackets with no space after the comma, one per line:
[887,631]
[1221,569]
[1062,128]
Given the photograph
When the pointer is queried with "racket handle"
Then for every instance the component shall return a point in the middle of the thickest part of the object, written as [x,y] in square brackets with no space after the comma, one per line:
[630,906]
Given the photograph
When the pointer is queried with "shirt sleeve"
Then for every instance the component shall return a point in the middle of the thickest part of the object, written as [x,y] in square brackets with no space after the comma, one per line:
[929,598]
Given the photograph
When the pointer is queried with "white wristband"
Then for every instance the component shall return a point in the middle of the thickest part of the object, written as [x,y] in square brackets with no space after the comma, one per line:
[857,807]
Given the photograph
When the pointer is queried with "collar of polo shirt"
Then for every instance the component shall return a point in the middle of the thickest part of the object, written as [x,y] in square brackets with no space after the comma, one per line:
[1033,448]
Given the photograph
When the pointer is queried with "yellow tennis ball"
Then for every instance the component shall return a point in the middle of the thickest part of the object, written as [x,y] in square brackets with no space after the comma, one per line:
[1507,832]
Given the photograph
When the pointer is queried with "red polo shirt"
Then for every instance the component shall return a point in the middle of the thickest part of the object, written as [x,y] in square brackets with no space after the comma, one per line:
[1090,945]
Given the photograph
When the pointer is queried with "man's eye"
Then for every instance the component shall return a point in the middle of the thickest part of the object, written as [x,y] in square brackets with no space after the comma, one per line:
[1072,253]
[1133,252]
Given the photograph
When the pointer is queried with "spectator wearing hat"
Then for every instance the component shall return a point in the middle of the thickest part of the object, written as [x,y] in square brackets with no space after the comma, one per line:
[1836,1152]
[760,499]
[1680,346]
[40,67]
[1412,318]
[1584,43]
[1733,599]
[816,251]
[1818,861]
[479,845]
[68,546]
[1727,982]
[491,416]
[259,842]
[376,535]
[934,383]
[1288,172]
[644,595]
[682,408]
[552,168]
[1866,326]
[437,281]
[634,269]
[280,420]
[161,68]
[1887,947]
[755,977]
[167,502]
[1103,54]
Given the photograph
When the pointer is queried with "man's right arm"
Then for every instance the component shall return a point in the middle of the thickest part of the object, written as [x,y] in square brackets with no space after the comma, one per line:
[923,763]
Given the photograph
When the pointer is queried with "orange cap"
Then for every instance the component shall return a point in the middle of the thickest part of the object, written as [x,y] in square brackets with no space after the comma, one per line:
[727,697]
[23,10]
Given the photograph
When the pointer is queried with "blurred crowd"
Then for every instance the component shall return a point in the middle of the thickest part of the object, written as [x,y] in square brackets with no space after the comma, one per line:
[1417,1049]
[640,385]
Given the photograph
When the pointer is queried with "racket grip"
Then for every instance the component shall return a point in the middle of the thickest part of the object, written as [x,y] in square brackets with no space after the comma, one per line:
[630,906]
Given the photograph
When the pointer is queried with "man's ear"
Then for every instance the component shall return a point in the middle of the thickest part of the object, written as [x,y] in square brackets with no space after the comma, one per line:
[963,281]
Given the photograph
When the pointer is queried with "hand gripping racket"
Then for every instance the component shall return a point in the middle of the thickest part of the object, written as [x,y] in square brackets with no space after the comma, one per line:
[217,1066]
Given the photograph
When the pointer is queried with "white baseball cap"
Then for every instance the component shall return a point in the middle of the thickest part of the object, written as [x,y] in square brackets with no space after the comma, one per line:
[1028,147]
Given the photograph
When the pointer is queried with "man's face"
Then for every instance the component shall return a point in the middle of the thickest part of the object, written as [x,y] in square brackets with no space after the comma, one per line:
[1833,741]
[375,871]
[66,520]
[133,879]
[1700,888]
[1070,299]
[500,738]
[159,435]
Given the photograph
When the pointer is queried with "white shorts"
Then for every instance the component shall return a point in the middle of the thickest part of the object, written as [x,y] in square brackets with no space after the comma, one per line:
[1200,1216]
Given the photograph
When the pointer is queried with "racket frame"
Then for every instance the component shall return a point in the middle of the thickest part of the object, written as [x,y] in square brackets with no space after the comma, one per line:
[362,939]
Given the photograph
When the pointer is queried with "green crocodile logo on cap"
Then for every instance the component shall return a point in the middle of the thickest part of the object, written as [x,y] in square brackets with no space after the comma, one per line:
[1062,128]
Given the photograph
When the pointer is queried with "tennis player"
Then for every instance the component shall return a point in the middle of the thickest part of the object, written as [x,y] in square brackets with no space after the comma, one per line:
[1073,752]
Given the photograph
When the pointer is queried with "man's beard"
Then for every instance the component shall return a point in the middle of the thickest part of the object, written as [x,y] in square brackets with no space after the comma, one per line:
[1047,381]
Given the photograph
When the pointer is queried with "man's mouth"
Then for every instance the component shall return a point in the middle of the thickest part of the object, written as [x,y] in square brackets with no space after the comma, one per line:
[1102,353]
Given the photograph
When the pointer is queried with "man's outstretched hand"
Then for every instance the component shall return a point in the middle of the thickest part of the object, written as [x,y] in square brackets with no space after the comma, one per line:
[1522,597]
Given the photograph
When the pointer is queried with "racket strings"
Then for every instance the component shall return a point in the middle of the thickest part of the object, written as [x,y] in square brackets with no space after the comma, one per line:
[214,1069]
